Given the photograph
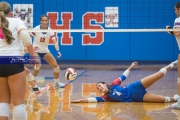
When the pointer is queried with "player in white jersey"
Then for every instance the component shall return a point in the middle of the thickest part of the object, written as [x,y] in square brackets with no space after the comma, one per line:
[13,34]
[177,36]
[41,40]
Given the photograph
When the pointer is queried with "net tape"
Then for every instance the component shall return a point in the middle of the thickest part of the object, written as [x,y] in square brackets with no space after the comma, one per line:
[105,30]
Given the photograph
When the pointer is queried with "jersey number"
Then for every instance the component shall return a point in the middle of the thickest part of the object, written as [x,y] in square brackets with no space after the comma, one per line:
[42,39]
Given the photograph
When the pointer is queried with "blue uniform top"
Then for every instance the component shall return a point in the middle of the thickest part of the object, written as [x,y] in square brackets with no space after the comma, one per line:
[117,92]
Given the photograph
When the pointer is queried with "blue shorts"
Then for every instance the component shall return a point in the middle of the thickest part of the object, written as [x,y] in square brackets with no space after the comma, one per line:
[137,91]
[41,55]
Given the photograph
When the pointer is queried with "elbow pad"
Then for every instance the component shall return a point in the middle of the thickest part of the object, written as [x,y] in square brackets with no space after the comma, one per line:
[24,35]
[92,99]
[126,73]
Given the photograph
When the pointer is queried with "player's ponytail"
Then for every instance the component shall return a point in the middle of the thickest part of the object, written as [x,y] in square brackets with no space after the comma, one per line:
[4,10]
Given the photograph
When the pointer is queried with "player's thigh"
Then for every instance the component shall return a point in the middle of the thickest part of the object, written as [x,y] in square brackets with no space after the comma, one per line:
[150,97]
[26,70]
[49,58]
[5,95]
[17,85]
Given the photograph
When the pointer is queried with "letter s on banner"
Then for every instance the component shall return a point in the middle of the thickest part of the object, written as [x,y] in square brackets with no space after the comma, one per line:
[98,39]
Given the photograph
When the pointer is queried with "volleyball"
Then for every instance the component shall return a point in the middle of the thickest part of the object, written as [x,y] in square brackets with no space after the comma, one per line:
[70,74]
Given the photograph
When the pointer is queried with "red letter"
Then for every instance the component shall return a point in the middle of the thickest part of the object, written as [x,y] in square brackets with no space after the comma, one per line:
[66,17]
[98,39]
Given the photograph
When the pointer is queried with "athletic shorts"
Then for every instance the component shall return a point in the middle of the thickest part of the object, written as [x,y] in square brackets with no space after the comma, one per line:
[41,55]
[137,91]
[10,69]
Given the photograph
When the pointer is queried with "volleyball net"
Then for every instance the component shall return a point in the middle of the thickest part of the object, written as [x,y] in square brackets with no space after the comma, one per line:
[97,14]
[105,29]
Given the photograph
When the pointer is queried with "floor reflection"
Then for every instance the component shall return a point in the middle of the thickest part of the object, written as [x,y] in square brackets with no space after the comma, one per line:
[55,105]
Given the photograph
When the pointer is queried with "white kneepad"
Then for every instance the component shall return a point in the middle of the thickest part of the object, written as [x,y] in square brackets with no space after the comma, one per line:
[29,77]
[37,67]
[4,109]
[20,112]
[163,70]
[56,70]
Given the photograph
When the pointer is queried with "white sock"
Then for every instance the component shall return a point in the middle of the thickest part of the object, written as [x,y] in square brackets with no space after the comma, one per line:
[171,65]
[56,80]
[167,99]
[20,112]
[176,97]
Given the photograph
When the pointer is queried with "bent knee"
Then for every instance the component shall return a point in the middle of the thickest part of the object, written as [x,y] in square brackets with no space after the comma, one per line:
[162,72]
[56,69]
[26,70]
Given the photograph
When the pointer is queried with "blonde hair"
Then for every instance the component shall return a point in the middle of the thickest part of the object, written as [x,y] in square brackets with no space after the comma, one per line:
[4,23]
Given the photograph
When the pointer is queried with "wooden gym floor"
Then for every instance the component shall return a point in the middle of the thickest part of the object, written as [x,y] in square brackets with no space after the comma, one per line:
[55,104]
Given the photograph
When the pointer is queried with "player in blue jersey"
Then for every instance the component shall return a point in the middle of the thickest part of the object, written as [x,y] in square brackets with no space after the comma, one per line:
[134,92]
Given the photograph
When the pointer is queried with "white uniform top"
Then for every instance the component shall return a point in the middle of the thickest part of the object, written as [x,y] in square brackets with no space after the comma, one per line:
[16,48]
[41,39]
[177,24]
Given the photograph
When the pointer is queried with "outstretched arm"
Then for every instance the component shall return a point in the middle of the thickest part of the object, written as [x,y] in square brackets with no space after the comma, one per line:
[91,99]
[132,65]
[80,101]
[126,73]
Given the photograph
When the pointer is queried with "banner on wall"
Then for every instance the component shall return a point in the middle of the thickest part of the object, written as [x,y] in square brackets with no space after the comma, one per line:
[111,17]
[25,13]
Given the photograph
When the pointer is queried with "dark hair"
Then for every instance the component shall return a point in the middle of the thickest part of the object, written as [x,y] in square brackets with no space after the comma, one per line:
[44,16]
[177,5]
[4,23]
[108,86]
[101,82]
